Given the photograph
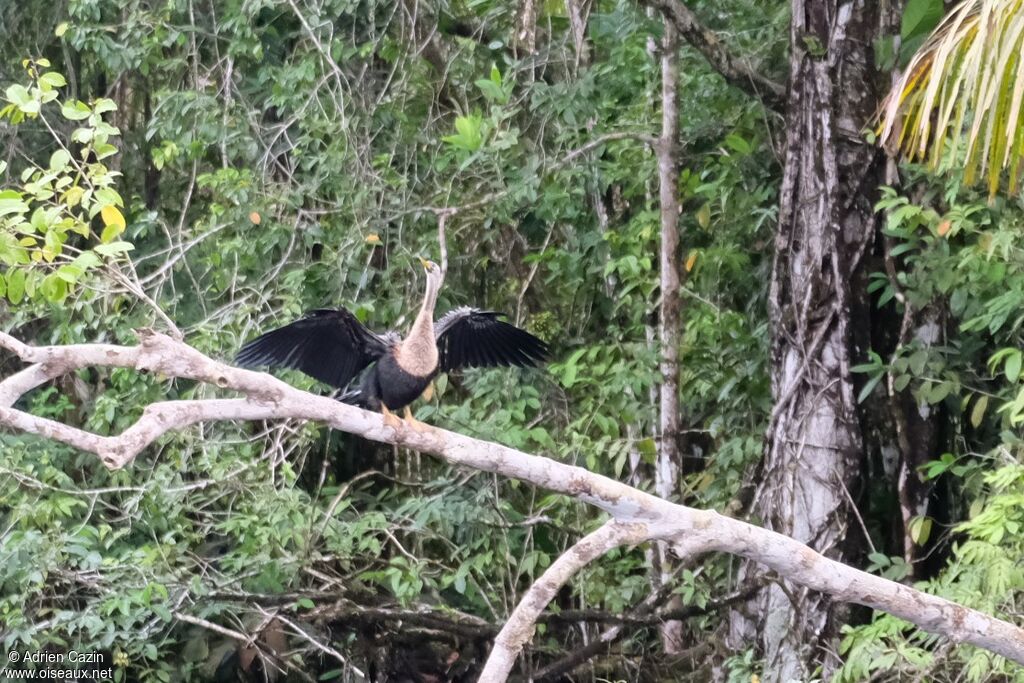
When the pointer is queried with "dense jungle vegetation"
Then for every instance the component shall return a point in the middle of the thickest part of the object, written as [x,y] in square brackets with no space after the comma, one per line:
[219,167]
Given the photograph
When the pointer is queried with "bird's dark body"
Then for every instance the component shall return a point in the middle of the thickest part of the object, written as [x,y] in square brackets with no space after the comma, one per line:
[386,382]
[333,346]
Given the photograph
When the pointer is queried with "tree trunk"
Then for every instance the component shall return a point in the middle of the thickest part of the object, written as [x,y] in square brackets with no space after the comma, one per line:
[819,310]
[666,475]
[525,39]
[578,13]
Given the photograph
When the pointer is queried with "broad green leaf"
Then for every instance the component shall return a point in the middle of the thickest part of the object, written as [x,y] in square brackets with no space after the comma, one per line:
[73,196]
[869,387]
[704,215]
[920,529]
[18,95]
[11,201]
[920,17]
[113,248]
[75,110]
[52,79]
[103,105]
[15,286]
[978,413]
[59,160]
[1013,366]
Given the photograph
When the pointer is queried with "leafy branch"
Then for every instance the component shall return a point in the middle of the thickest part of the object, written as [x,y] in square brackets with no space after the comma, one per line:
[636,516]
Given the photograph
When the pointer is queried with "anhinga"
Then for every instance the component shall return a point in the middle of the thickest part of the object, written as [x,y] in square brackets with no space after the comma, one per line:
[331,345]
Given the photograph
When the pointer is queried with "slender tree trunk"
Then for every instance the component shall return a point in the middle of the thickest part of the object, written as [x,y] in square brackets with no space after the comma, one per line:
[578,12]
[820,317]
[916,425]
[666,475]
[525,39]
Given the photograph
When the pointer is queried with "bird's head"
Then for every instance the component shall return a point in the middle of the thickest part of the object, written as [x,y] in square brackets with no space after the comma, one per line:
[435,276]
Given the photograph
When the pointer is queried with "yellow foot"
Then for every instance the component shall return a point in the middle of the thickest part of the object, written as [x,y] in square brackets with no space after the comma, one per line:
[416,425]
[428,393]
[390,419]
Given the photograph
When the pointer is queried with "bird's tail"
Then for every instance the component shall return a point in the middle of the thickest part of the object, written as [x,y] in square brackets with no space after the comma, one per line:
[353,397]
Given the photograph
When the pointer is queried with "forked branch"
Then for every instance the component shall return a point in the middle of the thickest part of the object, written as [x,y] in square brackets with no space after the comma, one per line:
[736,70]
[646,517]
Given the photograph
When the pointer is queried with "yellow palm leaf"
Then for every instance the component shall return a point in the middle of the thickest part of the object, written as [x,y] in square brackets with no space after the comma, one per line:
[965,85]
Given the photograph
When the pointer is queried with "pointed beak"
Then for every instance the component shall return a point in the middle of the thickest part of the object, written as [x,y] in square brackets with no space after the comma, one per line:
[426,263]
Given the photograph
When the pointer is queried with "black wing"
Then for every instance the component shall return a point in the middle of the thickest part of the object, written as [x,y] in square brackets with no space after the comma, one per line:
[471,338]
[327,344]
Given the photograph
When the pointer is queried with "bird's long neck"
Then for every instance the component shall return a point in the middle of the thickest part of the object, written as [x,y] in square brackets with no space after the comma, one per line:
[418,352]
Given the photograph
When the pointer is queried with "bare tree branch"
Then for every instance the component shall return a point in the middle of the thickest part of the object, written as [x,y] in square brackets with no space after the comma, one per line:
[519,628]
[734,69]
[645,515]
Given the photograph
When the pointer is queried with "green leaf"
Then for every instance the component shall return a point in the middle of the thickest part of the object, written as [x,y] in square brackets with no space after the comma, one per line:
[110,233]
[86,261]
[920,17]
[1013,365]
[75,110]
[737,143]
[920,529]
[901,382]
[107,196]
[978,413]
[18,95]
[11,202]
[939,391]
[469,136]
[54,288]
[869,386]
[59,160]
[113,248]
[103,105]
[15,286]
[51,80]
[917,362]
[491,91]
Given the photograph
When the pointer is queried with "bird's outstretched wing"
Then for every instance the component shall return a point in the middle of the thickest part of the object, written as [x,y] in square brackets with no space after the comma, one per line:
[328,344]
[470,337]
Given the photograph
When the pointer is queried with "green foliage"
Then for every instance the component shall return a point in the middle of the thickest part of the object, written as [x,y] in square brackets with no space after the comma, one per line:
[962,254]
[48,242]
[271,163]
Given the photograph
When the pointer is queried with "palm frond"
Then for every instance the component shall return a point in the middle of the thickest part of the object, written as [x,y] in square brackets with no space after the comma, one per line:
[966,83]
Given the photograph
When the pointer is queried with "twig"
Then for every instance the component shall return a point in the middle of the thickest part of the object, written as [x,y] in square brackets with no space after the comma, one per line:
[210,626]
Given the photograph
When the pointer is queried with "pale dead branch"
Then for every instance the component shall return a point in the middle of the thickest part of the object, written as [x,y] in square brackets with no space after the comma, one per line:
[518,629]
[646,516]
